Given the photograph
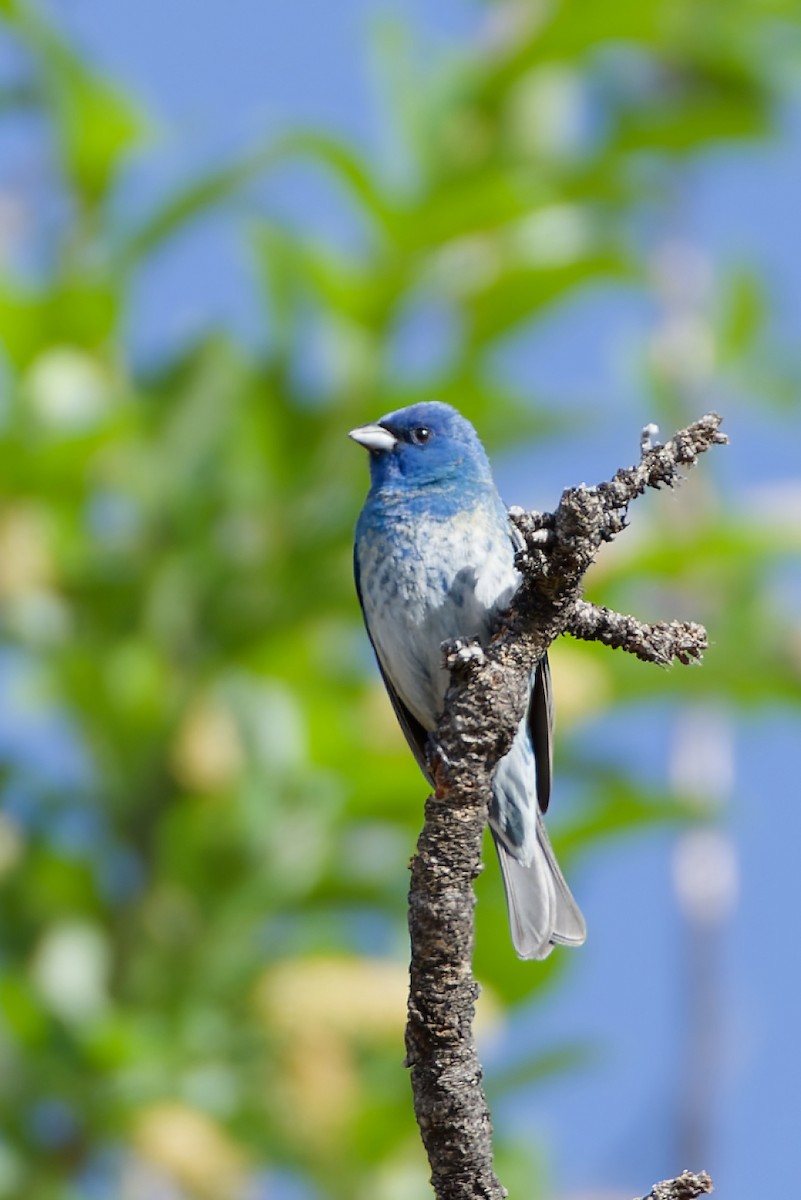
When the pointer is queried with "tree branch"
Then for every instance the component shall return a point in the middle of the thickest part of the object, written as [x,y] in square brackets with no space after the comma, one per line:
[686,1187]
[483,707]
[657,643]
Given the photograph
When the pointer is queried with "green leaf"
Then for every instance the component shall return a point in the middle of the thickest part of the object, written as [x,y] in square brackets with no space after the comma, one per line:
[75,312]
[221,184]
[96,123]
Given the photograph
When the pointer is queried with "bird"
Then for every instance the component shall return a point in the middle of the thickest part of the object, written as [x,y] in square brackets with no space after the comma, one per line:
[434,561]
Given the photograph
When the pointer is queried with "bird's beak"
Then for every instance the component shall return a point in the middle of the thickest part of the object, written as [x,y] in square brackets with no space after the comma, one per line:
[375,438]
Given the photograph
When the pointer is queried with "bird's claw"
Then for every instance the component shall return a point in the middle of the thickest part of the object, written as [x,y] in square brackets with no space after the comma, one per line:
[535,529]
[459,653]
[541,537]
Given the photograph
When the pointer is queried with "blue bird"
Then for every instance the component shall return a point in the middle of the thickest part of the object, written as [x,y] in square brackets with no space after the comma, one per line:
[434,560]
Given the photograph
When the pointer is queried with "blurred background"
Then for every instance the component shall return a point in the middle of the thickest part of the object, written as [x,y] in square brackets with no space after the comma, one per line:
[228,234]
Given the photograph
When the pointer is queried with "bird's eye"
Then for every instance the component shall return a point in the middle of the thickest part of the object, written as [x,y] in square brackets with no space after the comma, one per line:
[420,435]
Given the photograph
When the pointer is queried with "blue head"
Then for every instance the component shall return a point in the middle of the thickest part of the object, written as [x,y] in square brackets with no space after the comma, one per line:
[428,445]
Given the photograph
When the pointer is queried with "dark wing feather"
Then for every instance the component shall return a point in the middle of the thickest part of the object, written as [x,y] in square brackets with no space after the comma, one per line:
[540,723]
[413,731]
[540,712]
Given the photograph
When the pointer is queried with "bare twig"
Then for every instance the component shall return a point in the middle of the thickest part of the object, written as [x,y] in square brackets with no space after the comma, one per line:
[686,1187]
[483,707]
[658,643]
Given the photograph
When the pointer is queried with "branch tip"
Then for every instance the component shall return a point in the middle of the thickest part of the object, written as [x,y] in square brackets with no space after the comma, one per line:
[648,438]
[661,642]
[686,1186]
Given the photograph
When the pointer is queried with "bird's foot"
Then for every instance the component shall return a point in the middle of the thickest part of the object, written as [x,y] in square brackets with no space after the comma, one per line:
[461,653]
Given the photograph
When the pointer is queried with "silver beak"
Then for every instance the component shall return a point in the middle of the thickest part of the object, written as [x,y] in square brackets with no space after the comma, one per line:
[374,437]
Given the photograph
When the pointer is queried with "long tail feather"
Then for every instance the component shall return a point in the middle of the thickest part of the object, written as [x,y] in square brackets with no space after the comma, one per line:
[542,911]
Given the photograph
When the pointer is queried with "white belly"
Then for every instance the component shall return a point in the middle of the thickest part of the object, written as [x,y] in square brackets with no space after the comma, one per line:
[426,587]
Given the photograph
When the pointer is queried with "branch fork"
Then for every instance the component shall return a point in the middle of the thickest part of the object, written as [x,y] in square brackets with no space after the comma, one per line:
[485,700]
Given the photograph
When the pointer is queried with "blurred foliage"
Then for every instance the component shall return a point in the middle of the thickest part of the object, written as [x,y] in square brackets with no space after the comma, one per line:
[207,810]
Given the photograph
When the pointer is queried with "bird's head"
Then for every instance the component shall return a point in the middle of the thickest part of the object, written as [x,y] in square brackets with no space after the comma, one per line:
[427,444]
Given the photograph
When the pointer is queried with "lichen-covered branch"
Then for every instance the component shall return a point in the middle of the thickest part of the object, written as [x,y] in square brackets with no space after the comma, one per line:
[450,1106]
[661,642]
[685,1187]
[588,516]
[483,707]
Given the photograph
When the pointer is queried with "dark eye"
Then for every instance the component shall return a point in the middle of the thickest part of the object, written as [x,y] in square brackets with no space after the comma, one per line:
[420,435]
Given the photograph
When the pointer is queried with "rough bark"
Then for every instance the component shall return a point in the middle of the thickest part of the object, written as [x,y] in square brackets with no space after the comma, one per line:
[686,1187]
[483,707]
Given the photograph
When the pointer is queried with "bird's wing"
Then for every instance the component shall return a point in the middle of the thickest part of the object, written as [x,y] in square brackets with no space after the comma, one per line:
[540,723]
[413,731]
[540,712]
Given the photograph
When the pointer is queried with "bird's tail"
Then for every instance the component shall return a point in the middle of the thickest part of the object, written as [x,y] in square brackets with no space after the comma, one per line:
[542,911]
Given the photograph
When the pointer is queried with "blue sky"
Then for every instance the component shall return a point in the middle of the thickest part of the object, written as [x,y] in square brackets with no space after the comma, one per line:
[217,77]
